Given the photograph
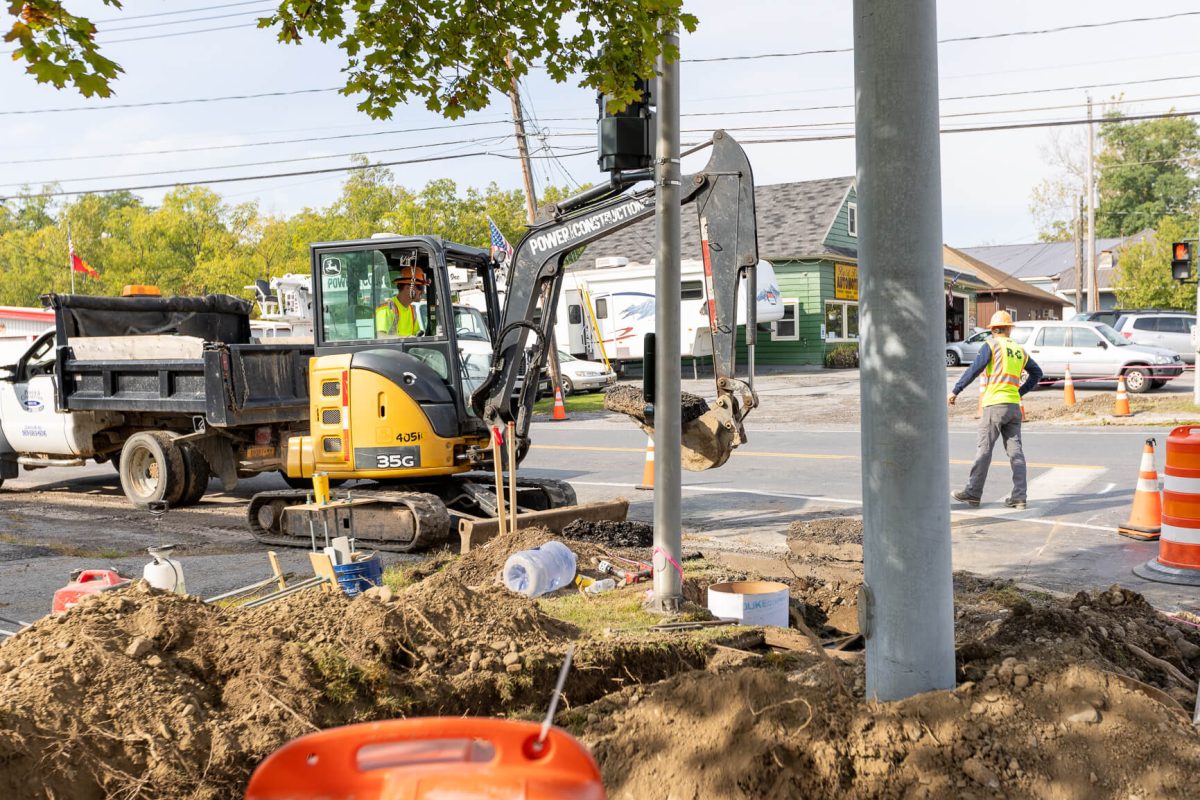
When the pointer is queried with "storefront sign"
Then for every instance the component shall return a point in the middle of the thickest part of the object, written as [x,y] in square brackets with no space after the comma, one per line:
[845,281]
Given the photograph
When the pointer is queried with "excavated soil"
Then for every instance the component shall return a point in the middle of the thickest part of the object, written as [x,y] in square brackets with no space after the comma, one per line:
[829,530]
[627,533]
[138,693]
[629,400]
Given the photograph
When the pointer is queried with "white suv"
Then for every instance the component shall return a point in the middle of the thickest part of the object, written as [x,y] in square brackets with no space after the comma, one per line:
[1172,330]
[1094,350]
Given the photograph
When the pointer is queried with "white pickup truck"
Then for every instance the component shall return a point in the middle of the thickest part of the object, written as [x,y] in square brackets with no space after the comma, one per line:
[172,390]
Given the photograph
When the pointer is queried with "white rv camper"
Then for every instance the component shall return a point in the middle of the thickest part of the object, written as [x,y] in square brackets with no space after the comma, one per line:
[616,300]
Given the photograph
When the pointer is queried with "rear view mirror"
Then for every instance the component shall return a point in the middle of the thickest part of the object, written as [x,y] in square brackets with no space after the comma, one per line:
[1103,345]
[8,372]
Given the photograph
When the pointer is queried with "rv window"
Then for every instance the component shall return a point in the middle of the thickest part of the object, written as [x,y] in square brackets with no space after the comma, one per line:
[575,315]
[691,290]
[602,309]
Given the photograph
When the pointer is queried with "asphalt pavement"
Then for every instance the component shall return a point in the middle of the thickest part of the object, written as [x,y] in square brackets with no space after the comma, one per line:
[794,467]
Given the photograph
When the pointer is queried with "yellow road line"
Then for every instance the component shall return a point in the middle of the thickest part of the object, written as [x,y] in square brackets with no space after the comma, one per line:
[802,456]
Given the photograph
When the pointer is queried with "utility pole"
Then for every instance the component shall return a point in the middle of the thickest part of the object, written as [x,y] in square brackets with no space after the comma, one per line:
[1093,289]
[1196,378]
[906,601]
[514,95]
[1076,235]
[668,478]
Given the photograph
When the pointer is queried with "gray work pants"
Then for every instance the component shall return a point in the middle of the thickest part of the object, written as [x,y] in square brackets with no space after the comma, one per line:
[998,421]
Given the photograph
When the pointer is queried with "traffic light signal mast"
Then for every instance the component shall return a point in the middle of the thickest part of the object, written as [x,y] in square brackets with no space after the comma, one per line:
[1181,271]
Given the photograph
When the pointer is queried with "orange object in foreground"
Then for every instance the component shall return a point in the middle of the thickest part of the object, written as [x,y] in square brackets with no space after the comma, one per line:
[1179,545]
[465,758]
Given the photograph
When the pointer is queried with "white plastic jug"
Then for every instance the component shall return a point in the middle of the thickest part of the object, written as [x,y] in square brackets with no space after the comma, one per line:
[541,570]
[164,573]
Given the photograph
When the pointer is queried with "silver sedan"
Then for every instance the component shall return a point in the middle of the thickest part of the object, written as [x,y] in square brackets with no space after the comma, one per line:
[965,352]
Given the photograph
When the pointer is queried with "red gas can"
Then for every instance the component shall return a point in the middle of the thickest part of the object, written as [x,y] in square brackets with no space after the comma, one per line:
[89,581]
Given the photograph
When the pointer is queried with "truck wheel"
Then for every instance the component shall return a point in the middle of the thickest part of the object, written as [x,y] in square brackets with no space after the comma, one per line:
[1137,380]
[152,469]
[196,475]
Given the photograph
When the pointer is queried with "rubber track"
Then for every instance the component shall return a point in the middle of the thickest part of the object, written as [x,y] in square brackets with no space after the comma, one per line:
[433,520]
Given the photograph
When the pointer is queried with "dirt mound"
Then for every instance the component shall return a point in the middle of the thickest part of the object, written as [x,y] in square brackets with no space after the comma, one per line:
[828,530]
[1058,735]
[613,534]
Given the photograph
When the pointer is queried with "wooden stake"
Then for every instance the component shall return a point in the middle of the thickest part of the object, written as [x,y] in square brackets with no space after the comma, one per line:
[512,474]
[275,570]
[498,463]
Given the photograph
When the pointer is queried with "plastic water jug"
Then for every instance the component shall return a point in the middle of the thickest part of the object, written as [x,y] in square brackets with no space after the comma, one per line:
[541,570]
[164,572]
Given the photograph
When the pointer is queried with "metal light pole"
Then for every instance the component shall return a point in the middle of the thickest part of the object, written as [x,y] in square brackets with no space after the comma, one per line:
[668,479]
[1196,347]
[907,600]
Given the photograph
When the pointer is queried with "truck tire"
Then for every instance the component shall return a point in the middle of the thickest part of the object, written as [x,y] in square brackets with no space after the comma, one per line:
[152,469]
[196,474]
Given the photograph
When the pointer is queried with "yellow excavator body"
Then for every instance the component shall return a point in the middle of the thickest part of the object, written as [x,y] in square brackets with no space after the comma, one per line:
[363,425]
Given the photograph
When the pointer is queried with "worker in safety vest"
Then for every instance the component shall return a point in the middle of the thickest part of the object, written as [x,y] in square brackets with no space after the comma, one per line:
[398,316]
[1001,361]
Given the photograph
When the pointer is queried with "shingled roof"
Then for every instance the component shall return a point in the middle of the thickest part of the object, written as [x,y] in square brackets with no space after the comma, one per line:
[793,219]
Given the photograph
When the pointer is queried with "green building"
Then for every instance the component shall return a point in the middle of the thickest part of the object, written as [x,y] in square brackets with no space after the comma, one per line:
[809,232]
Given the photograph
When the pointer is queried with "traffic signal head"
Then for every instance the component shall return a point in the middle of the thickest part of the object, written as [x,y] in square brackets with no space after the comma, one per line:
[1181,260]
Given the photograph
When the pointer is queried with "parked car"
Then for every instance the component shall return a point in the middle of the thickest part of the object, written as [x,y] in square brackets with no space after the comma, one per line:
[583,376]
[1110,316]
[1169,329]
[1095,350]
[965,352]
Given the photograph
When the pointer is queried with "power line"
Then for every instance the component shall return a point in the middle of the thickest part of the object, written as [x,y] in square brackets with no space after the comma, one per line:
[180,33]
[976,38]
[148,103]
[123,17]
[351,168]
[208,148]
[257,12]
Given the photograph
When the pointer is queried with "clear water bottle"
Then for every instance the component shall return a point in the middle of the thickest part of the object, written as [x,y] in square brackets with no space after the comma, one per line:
[541,570]
[596,587]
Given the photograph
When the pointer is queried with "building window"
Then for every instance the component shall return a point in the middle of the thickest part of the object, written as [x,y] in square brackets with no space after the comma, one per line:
[852,218]
[786,330]
[841,321]
[1012,312]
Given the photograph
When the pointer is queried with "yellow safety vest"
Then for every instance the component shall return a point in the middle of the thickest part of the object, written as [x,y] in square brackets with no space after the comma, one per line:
[1004,372]
[393,319]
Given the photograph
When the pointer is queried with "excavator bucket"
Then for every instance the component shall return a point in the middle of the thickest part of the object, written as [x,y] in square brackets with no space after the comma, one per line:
[709,434]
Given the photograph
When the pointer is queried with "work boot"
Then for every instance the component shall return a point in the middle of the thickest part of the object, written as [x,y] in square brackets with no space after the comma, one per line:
[963,497]
[1017,504]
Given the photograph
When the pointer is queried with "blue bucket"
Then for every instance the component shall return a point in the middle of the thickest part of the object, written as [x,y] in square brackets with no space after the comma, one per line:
[359,576]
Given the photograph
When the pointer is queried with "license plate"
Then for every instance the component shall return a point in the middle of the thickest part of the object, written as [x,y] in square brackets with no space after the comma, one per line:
[260,451]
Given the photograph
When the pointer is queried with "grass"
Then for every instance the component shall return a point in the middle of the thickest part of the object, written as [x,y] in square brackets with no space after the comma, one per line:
[581,403]
[618,608]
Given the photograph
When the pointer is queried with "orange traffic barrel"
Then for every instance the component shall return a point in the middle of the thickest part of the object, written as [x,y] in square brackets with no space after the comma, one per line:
[1178,558]
[467,758]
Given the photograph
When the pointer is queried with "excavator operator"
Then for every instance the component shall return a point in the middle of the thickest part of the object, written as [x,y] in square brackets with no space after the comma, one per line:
[398,316]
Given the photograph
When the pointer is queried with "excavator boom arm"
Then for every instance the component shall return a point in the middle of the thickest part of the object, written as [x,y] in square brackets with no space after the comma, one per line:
[723,195]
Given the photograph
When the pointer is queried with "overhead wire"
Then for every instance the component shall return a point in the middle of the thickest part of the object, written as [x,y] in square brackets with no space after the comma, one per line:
[105,30]
[123,17]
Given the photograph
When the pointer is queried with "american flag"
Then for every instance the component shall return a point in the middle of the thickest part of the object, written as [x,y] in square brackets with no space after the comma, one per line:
[499,243]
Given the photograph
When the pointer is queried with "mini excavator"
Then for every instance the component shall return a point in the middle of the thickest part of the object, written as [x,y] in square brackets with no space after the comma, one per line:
[414,413]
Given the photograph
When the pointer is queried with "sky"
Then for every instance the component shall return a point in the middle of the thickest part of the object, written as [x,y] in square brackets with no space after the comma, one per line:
[987,177]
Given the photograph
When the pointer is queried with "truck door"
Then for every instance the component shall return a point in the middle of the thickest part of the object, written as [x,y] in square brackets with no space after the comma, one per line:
[31,423]
[575,341]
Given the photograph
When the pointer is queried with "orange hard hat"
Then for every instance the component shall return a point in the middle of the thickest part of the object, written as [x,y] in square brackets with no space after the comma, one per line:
[1001,319]
[410,275]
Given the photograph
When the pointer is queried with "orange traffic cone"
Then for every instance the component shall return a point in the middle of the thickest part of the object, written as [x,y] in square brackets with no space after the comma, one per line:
[560,409]
[1068,388]
[1121,406]
[648,468]
[1145,521]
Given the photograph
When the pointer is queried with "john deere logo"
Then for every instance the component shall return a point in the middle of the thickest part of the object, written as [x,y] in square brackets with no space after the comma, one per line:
[331,266]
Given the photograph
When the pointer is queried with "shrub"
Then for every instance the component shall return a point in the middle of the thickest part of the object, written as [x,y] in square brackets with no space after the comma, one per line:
[844,356]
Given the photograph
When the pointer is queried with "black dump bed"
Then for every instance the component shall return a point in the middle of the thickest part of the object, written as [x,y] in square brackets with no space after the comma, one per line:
[223,377]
